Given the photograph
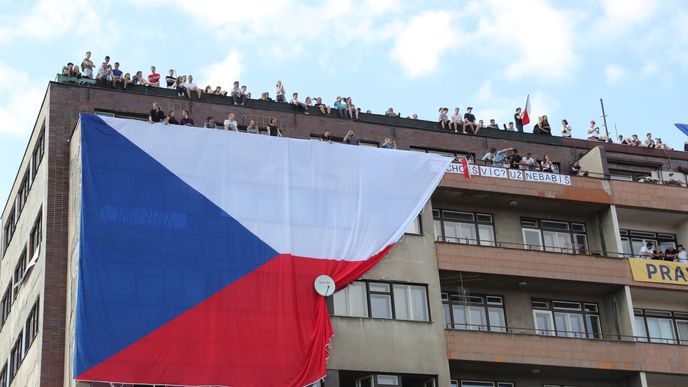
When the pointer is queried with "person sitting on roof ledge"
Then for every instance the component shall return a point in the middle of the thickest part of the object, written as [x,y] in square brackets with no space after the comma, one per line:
[542,127]
[649,143]
[594,133]
[324,109]
[139,80]
[153,78]
[390,112]
[340,105]
[191,87]
[104,74]
[295,101]
[443,118]
[87,66]
[218,91]
[171,80]
[566,129]
[351,108]
[70,70]
[456,121]
[493,124]
[660,145]
[117,76]
[469,122]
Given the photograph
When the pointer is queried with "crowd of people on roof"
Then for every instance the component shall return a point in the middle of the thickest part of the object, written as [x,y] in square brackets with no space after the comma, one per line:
[112,75]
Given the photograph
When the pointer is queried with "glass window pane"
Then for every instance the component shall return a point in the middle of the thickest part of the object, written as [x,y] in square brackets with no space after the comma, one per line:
[414,227]
[437,225]
[381,306]
[594,331]
[459,315]
[467,233]
[532,239]
[660,330]
[419,303]
[640,328]
[401,302]
[543,323]
[497,321]
[477,318]
[682,331]
[379,287]
[486,233]
[447,316]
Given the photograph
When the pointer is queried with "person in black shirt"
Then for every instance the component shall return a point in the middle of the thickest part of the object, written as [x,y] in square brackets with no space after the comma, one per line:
[518,119]
[171,119]
[514,159]
[542,127]
[671,254]
[170,79]
[469,121]
[325,136]
[273,130]
[156,114]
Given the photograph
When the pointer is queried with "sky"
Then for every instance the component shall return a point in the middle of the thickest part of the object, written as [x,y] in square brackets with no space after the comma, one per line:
[412,56]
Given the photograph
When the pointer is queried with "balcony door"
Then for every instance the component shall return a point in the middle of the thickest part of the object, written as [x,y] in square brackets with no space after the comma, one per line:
[557,242]
[532,239]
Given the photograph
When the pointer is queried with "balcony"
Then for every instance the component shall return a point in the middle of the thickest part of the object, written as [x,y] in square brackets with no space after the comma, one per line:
[514,260]
[579,189]
[644,195]
[621,355]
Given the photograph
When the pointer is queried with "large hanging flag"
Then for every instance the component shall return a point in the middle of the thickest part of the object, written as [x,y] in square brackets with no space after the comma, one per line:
[526,112]
[199,248]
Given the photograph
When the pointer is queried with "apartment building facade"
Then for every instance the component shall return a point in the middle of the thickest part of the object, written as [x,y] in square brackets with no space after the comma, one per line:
[504,280]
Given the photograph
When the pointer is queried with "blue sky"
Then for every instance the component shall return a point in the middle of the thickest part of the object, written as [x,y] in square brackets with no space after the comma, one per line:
[412,56]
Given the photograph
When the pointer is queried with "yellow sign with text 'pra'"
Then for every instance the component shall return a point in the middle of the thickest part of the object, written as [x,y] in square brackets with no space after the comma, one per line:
[645,270]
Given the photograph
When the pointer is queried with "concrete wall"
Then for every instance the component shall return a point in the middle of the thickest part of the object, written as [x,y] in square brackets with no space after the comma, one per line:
[33,285]
[594,162]
[398,346]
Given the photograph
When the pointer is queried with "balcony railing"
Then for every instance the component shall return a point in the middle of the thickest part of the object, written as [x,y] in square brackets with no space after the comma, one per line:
[570,249]
[564,334]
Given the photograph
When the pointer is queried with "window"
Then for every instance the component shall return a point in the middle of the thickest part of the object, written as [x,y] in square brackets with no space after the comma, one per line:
[4,378]
[16,356]
[9,228]
[36,236]
[632,241]
[415,227]
[554,236]
[31,327]
[474,312]
[5,304]
[566,319]
[382,300]
[464,227]
[661,326]
[19,270]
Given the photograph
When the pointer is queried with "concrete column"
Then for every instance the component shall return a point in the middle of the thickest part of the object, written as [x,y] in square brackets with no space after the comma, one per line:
[609,230]
[638,380]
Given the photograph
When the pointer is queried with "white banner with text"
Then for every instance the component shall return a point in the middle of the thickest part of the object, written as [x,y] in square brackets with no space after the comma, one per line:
[511,174]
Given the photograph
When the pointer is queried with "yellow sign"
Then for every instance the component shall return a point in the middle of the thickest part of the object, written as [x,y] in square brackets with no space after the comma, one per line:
[647,270]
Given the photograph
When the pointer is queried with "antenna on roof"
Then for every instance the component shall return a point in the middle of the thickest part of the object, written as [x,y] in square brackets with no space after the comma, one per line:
[604,118]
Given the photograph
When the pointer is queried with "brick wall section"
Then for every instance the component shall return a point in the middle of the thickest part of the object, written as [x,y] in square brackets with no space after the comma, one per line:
[563,352]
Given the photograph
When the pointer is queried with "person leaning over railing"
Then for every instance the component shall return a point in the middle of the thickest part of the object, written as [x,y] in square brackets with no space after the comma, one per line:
[682,255]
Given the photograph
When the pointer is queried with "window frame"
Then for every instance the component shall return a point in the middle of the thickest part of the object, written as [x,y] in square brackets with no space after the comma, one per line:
[389,293]
[657,238]
[582,311]
[674,316]
[439,215]
[535,224]
[485,304]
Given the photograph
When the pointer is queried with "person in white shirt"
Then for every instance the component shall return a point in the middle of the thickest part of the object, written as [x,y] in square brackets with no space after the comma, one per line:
[456,120]
[529,163]
[649,142]
[279,92]
[565,129]
[191,87]
[646,251]
[682,256]
[230,123]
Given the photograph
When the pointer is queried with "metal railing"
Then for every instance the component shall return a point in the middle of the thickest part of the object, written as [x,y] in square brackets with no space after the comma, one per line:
[564,334]
[571,249]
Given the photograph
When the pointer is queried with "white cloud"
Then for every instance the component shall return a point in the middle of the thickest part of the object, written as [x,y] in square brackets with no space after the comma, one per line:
[223,72]
[422,41]
[620,16]
[614,73]
[48,20]
[20,101]
[649,69]
[535,38]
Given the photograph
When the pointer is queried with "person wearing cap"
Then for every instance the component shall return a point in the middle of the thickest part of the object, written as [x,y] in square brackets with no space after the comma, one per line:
[469,121]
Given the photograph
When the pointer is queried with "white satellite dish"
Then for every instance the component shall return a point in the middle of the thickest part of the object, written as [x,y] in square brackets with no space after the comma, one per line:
[324,285]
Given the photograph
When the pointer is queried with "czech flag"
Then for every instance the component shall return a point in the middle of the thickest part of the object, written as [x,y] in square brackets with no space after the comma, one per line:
[198,248]
[526,112]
